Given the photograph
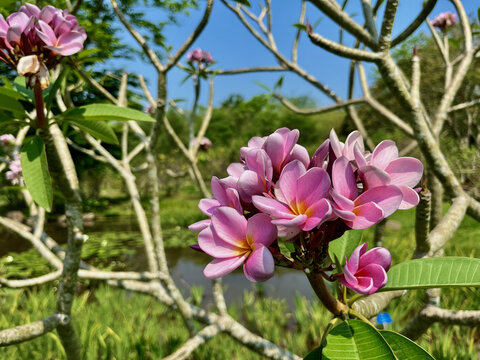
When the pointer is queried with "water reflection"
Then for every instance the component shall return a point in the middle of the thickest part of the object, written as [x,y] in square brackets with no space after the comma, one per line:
[186,265]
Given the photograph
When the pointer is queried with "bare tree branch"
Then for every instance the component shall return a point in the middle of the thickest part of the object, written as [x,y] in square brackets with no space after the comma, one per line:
[321,110]
[33,330]
[11,283]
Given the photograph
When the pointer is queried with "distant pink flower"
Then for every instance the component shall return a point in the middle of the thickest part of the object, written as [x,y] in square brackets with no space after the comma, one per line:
[384,167]
[300,199]
[444,20]
[7,139]
[205,143]
[366,271]
[199,56]
[233,240]
[15,171]
[367,209]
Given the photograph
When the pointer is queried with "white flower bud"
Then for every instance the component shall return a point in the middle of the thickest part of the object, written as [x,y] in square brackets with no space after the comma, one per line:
[28,65]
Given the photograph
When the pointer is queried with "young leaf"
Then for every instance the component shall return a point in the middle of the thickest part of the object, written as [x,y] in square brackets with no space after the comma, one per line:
[35,172]
[279,83]
[353,339]
[262,85]
[104,112]
[434,273]
[404,348]
[244,2]
[98,129]
[344,245]
[300,26]
[54,87]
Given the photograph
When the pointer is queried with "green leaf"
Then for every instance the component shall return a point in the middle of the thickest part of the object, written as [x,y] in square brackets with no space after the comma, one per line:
[19,84]
[353,340]
[104,112]
[344,245]
[279,83]
[10,104]
[98,129]
[301,26]
[262,85]
[244,2]
[434,273]
[404,348]
[10,92]
[35,172]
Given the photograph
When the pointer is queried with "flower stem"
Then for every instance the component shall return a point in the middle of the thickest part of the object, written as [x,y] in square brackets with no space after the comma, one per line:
[39,105]
[325,296]
[358,316]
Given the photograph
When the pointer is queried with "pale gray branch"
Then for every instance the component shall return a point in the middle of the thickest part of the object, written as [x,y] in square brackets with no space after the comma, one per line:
[301,20]
[464,105]
[12,283]
[33,330]
[321,110]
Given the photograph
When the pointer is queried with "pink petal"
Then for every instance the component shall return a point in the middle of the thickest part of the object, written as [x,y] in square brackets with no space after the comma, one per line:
[272,207]
[405,171]
[312,186]
[343,179]
[221,267]
[288,180]
[383,154]
[373,177]
[299,153]
[297,221]
[359,156]
[317,214]
[288,232]
[320,154]
[14,33]
[259,265]
[258,161]
[387,197]
[366,215]
[343,214]
[208,205]
[364,286]
[352,263]
[341,202]
[47,13]
[410,198]
[229,225]
[377,255]
[354,138]
[335,144]
[261,230]
[256,142]
[250,184]
[216,247]
[235,169]
[30,10]
[19,19]
[234,200]
[376,273]
[46,34]
[200,225]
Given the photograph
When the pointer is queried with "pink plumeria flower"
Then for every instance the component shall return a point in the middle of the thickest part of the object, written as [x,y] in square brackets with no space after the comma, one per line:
[223,195]
[366,271]
[444,20]
[63,41]
[367,209]
[205,143]
[300,199]
[207,57]
[7,139]
[233,240]
[386,168]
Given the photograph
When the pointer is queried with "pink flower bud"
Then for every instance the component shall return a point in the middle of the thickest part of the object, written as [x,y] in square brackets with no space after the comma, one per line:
[366,271]
[445,20]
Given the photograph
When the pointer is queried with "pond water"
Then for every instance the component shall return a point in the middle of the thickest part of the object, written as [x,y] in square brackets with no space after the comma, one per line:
[186,265]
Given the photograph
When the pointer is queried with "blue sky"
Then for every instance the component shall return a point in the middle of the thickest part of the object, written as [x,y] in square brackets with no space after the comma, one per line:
[232,46]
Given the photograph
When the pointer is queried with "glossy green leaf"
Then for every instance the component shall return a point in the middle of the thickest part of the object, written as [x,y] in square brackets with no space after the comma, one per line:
[434,273]
[12,105]
[104,112]
[35,172]
[19,84]
[353,340]
[344,245]
[98,129]
[404,348]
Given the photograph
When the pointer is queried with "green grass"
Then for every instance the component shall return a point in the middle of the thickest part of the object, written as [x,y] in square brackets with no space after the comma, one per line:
[116,324]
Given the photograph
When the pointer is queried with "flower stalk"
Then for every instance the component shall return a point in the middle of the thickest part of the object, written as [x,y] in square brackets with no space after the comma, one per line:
[324,294]
[39,105]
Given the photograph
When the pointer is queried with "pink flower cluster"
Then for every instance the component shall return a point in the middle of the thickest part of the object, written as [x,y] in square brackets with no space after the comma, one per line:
[205,143]
[14,174]
[200,56]
[7,141]
[445,20]
[31,39]
[280,189]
